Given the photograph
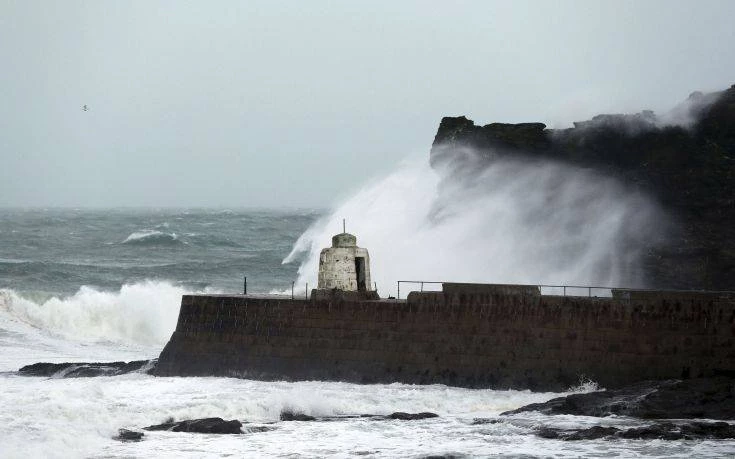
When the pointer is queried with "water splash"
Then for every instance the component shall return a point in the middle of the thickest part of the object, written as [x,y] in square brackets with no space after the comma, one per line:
[509,221]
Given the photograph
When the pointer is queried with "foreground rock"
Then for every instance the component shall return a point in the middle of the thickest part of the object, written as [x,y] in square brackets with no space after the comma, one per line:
[658,431]
[205,425]
[84,369]
[288,415]
[411,416]
[128,435]
[292,416]
[709,398]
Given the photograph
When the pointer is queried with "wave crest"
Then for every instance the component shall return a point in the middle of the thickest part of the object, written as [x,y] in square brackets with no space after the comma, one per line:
[152,237]
[142,313]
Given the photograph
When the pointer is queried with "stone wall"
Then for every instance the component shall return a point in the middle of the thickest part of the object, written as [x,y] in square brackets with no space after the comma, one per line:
[467,335]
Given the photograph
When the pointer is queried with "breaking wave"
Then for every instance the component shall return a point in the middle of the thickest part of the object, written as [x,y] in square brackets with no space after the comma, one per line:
[152,237]
[142,313]
[512,221]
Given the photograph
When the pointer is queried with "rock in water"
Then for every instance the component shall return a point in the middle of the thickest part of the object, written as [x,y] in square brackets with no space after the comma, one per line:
[84,369]
[204,425]
[128,435]
[658,431]
[287,415]
[411,416]
[710,398]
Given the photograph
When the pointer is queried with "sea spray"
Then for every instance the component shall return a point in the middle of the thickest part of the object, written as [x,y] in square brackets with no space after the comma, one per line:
[508,221]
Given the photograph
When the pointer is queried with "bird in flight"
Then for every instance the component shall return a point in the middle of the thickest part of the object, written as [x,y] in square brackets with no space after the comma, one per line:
[85,108]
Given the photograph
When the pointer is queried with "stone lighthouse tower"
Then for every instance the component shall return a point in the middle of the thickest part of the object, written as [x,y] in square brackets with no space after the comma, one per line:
[344,266]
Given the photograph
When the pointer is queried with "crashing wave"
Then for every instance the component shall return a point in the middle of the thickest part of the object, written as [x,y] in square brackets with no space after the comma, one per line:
[143,313]
[509,222]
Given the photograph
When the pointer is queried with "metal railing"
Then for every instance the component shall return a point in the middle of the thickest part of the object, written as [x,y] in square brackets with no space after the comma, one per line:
[596,291]
[590,291]
[398,293]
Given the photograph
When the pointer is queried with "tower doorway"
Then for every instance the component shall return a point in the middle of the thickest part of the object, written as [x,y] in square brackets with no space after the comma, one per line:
[360,272]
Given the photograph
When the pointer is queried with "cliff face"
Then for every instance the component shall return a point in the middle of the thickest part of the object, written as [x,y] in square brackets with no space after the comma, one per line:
[690,171]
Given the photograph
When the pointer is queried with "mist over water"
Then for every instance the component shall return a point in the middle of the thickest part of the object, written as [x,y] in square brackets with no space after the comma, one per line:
[510,221]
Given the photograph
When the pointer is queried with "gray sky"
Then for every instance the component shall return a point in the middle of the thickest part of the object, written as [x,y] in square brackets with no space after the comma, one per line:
[298,103]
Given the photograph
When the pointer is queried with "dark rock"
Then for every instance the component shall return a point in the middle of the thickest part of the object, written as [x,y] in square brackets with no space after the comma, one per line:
[711,398]
[128,435]
[205,425]
[547,432]
[83,369]
[411,416]
[658,431]
[593,433]
[291,416]
[663,431]
[287,415]
[690,171]
[480,421]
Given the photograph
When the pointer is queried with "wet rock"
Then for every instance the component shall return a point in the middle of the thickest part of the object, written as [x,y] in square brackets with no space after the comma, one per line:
[204,425]
[593,433]
[411,416]
[480,421]
[287,415]
[547,432]
[662,431]
[84,369]
[711,398]
[128,435]
[710,430]
[658,431]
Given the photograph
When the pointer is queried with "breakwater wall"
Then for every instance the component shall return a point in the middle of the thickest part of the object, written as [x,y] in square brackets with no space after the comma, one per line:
[471,335]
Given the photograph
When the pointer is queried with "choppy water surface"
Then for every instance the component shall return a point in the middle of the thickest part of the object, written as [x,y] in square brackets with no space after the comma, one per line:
[105,285]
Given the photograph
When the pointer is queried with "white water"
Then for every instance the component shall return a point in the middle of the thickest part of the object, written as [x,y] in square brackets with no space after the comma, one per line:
[70,418]
[143,313]
[511,222]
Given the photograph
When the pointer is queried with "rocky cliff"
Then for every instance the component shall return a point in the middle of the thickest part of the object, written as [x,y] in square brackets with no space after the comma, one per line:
[686,162]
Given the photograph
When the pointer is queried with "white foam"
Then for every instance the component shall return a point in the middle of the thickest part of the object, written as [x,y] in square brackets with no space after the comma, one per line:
[77,418]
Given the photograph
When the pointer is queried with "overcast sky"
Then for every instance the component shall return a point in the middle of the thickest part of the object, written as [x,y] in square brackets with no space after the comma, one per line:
[298,103]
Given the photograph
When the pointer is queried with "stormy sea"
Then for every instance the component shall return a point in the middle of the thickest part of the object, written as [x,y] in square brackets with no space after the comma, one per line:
[80,285]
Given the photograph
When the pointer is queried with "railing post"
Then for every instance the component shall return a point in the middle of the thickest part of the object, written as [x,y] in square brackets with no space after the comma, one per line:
[565,290]
[398,295]
[422,286]
[589,292]
[306,291]
[292,285]
[245,286]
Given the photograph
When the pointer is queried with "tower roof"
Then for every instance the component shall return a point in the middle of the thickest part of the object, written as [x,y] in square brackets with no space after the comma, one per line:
[344,240]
